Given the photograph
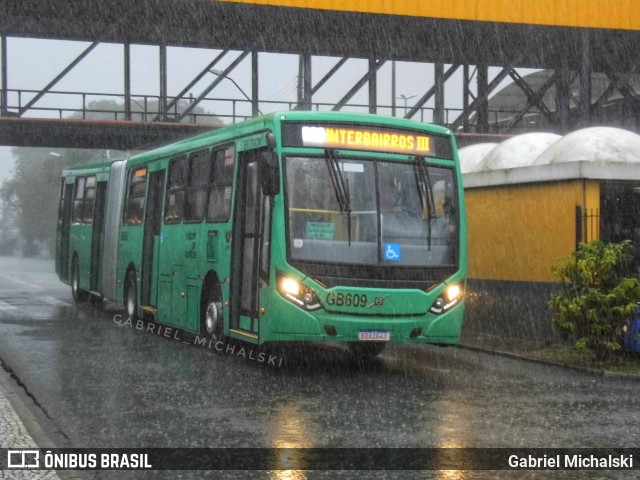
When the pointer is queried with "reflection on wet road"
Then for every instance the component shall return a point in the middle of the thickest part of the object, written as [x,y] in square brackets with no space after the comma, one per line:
[102,382]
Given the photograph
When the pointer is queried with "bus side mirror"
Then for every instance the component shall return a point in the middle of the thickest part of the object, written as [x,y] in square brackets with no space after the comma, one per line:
[269,173]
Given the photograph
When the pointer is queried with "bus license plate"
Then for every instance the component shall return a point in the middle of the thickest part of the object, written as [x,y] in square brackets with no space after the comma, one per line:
[374,336]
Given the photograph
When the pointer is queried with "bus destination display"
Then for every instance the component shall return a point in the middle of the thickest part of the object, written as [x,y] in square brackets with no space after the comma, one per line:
[365,138]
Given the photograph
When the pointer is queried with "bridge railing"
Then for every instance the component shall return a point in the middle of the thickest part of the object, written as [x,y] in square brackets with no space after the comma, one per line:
[210,111]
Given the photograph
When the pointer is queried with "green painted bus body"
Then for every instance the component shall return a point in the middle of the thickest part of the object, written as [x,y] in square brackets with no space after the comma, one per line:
[188,255]
[80,233]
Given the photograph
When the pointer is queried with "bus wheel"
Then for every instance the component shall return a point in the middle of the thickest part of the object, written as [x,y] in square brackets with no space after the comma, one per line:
[211,322]
[78,294]
[131,296]
[367,350]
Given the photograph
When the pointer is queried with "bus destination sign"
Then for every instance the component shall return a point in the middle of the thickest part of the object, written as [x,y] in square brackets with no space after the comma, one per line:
[365,139]
[356,137]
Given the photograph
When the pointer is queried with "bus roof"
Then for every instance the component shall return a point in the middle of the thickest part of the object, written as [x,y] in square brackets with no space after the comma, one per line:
[85,169]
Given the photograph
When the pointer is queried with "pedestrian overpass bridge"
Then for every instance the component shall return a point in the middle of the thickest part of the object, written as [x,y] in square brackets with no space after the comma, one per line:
[571,38]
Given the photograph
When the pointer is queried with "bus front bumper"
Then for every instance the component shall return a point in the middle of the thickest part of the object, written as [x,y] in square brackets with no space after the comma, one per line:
[297,325]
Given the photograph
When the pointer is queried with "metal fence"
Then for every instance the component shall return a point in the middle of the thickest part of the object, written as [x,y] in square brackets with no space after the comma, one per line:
[587,224]
[146,108]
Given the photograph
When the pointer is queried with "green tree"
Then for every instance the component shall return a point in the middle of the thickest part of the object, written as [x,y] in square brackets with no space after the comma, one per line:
[597,298]
[8,235]
[35,189]
[107,109]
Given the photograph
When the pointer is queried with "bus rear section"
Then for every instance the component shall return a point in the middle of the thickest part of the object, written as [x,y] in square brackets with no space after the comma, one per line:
[80,237]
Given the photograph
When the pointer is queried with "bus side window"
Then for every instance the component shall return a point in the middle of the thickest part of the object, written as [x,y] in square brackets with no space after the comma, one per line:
[89,197]
[135,200]
[219,206]
[78,203]
[174,204]
[198,189]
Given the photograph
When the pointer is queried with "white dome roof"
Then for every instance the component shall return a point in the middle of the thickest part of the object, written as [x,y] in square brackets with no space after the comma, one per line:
[471,156]
[597,144]
[518,151]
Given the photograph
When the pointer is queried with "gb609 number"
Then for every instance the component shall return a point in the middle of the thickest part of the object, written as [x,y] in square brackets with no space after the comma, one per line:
[346,300]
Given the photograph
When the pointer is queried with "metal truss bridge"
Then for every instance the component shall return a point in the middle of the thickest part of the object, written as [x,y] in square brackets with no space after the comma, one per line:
[574,44]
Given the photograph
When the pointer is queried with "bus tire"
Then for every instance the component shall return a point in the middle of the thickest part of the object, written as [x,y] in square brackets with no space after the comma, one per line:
[211,313]
[131,295]
[366,350]
[77,293]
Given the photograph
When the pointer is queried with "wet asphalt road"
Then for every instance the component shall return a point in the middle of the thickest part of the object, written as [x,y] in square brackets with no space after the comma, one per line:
[97,382]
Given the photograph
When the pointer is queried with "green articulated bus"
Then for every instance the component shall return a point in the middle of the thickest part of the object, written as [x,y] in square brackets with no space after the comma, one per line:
[296,226]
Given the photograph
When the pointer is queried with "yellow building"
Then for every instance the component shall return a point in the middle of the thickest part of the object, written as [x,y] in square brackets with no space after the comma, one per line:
[518,231]
[529,202]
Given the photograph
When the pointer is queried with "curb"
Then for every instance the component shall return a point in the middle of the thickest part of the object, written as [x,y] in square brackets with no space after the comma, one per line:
[18,399]
[589,371]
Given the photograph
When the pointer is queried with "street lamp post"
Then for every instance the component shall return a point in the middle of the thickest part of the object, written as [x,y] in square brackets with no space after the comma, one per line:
[143,108]
[221,74]
[405,98]
[127,106]
[393,88]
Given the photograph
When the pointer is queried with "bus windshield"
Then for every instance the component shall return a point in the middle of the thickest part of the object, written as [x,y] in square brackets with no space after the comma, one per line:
[400,213]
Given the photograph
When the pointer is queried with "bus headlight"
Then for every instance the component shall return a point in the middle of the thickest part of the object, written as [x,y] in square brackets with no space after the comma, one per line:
[451,296]
[288,286]
[297,293]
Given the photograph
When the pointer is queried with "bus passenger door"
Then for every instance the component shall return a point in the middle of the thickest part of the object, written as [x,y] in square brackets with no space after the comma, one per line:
[151,239]
[247,228]
[64,226]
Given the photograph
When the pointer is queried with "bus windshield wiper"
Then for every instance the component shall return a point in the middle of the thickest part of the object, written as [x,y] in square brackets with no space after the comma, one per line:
[422,172]
[340,186]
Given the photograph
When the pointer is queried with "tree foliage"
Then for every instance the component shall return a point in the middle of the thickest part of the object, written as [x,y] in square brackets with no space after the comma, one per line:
[35,189]
[598,298]
[145,111]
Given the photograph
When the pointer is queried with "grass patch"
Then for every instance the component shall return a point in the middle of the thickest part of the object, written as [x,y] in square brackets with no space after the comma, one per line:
[620,362]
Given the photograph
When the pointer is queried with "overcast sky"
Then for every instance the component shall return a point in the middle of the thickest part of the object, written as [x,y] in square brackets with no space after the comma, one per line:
[33,63]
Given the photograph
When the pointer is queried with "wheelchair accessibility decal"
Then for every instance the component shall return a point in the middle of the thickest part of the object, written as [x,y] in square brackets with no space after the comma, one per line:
[392,252]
